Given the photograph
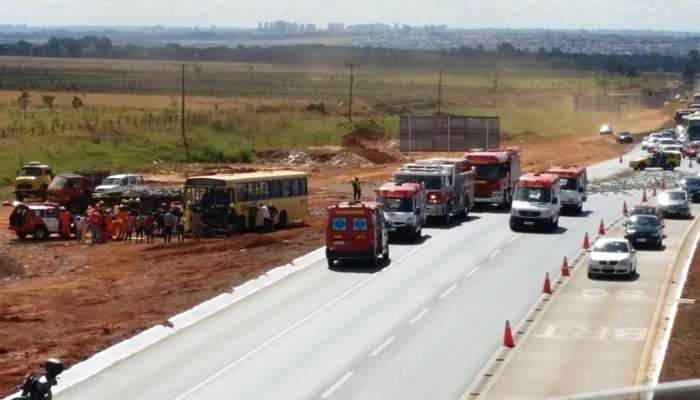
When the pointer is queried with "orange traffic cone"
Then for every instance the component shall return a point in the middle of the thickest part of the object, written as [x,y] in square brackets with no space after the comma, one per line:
[601,228]
[565,268]
[547,288]
[644,195]
[586,243]
[653,192]
[508,337]
[625,211]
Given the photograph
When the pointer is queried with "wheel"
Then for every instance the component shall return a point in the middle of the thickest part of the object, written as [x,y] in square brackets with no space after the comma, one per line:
[555,225]
[670,166]
[447,218]
[660,245]
[579,209]
[642,167]
[513,226]
[21,235]
[385,256]
[331,262]
[41,233]
[591,275]
[282,220]
[418,234]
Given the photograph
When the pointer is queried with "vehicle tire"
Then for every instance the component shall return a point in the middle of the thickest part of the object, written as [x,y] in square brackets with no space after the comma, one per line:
[21,235]
[385,256]
[448,218]
[642,167]
[41,233]
[331,262]
[513,226]
[282,220]
[660,245]
[417,235]
[591,275]
[579,209]
[555,225]
[670,166]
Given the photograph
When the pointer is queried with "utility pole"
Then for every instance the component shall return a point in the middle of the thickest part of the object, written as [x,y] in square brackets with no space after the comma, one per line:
[182,116]
[440,91]
[352,80]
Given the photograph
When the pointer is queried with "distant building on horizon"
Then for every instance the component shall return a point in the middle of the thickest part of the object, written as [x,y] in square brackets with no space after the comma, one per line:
[336,27]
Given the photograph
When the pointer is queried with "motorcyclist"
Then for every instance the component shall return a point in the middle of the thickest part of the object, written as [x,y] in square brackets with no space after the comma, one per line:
[40,388]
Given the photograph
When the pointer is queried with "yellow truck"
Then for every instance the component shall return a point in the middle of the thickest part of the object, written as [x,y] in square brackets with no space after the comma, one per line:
[33,180]
[667,160]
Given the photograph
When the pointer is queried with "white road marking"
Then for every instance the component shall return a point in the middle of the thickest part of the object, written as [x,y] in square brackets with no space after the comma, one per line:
[513,239]
[382,347]
[473,271]
[448,291]
[494,254]
[419,316]
[337,385]
[288,329]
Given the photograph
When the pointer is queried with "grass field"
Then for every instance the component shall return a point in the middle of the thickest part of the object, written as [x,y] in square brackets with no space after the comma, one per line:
[130,118]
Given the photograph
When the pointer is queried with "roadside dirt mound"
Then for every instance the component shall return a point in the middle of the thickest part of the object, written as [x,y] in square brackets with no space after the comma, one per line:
[363,137]
[9,268]
[375,156]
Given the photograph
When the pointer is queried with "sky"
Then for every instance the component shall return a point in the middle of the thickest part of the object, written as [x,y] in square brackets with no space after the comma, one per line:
[670,15]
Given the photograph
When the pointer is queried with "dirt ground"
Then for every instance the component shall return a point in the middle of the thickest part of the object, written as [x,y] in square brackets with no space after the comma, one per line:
[683,355]
[70,300]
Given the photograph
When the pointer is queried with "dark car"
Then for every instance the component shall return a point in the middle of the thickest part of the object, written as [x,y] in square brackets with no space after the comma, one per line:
[644,230]
[692,187]
[624,137]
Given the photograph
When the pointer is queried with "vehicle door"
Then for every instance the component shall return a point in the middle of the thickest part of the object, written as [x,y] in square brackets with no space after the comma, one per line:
[50,218]
[381,228]
[556,200]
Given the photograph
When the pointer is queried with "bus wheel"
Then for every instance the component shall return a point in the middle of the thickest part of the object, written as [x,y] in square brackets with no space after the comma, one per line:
[282,221]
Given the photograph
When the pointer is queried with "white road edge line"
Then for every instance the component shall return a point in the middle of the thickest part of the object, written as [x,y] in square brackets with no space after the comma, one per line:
[382,346]
[288,329]
[473,271]
[448,291]
[513,239]
[494,254]
[419,316]
[337,385]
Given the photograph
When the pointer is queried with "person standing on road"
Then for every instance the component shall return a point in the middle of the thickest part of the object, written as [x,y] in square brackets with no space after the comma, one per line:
[266,217]
[150,227]
[356,190]
[169,222]
[95,226]
[232,220]
[140,227]
[180,226]
[197,224]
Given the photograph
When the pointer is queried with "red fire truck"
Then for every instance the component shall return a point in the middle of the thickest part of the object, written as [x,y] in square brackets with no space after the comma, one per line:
[357,231]
[448,182]
[404,207]
[497,172]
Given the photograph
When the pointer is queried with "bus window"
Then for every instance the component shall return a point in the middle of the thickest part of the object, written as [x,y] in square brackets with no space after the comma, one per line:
[242,191]
[231,196]
[254,191]
[296,187]
[286,188]
[264,190]
[276,189]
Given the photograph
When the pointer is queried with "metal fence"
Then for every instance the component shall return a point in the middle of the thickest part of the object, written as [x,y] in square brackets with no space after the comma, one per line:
[448,133]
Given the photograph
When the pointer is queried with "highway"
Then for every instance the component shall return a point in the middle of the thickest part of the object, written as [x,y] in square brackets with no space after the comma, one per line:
[423,327]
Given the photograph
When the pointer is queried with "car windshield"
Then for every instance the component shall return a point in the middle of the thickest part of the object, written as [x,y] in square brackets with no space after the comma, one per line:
[568,183]
[396,204]
[430,182]
[112,181]
[643,221]
[665,142]
[58,182]
[677,196]
[611,247]
[30,171]
[533,195]
[491,171]
[691,181]
[644,211]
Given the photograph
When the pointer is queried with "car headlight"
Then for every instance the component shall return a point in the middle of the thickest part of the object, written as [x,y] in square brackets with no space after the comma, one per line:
[630,232]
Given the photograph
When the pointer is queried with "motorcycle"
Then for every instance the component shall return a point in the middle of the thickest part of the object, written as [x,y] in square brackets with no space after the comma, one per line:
[40,388]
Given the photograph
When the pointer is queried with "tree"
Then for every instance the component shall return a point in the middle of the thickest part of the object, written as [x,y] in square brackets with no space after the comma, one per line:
[48,100]
[77,103]
[23,102]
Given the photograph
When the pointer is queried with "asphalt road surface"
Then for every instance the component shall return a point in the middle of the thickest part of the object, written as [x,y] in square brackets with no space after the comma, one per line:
[422,327]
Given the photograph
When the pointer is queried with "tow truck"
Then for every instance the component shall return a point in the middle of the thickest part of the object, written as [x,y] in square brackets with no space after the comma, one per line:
[536,202]
[357,231]
[497,172]
[573,182]
[404,208]
[448,182]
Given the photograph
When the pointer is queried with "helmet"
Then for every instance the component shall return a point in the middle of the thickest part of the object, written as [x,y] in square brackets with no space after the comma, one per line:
[53,366]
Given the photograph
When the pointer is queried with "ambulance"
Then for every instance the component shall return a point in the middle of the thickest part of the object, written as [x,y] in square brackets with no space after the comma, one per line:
[357,231]
[536,202]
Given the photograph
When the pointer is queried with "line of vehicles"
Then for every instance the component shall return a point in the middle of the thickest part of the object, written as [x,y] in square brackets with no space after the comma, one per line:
[437,190]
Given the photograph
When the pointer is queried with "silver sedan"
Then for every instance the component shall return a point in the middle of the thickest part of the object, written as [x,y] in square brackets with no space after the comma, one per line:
[612,257]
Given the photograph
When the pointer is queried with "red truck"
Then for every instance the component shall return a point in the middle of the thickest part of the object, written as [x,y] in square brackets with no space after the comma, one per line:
[449,185]
[357,231]
[74,190]
[404,208]
[497,173]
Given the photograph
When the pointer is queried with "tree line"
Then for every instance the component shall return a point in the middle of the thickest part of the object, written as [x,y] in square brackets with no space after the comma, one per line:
[505,55]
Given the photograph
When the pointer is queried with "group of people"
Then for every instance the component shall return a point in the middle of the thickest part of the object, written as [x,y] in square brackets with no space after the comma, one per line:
[128,222]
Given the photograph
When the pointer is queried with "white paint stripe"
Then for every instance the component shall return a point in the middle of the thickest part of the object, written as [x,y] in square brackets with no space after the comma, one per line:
[337,385]
[448,291]
[382,347]
[419,316]
[513,239]
[494,254]
[473,271]
[274,338]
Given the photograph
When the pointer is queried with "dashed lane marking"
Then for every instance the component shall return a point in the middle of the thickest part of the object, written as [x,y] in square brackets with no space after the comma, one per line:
[329,392]
[382,346]
[419,316]
[448,291]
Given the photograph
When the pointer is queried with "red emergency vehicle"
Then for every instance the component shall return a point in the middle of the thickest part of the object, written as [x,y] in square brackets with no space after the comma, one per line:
[573,183]
[40,220]
[497,172]
[357,231]
[404,207]
[536,202]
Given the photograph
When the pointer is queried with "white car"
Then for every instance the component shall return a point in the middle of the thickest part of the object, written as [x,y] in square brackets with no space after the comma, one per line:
[606,129]
[115,181]
[670,145]
[613,257]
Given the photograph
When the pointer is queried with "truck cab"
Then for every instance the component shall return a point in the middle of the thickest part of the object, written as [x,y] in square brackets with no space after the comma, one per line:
[497,172]
[404,207]
[357,231]
[118,181]
[74,190]
[573,182]
[536,202]
[32,181]
[40,220]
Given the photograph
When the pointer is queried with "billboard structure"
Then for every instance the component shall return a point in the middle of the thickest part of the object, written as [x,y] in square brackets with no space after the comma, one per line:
[448,133]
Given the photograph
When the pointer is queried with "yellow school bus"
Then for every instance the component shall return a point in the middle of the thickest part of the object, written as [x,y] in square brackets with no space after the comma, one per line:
[286,191]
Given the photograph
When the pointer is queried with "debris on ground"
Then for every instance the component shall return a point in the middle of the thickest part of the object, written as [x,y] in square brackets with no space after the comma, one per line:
[629,181]
[9,268]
